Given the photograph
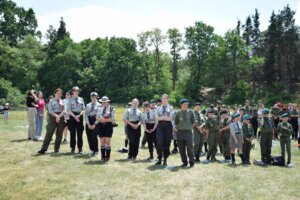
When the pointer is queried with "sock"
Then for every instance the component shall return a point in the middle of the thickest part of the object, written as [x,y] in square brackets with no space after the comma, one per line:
[126,143]
[175,144]
[205,146]
[242,157]
[108,150]
[232,158]
[102,152]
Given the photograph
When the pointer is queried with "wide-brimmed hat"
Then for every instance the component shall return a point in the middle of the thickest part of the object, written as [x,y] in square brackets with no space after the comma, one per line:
[94,94]
[104,99]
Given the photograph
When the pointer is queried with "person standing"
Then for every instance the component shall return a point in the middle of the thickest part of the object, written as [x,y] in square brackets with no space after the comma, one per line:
[225,135]
[198,131]
[76,109]
[67,117]
[212,131]
[31,114]
[184,122]
[285,130]
[267,130]
[90,119]
[128,106]
[248,134]
[106,120]
[236,138]
[40,107]
[133,119]
[150,124]
[6,113]
[164,115]
[247,108]
[56,122]
[294,121]
[254,119]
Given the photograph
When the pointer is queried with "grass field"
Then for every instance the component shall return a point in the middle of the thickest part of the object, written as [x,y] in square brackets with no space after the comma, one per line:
[24,175]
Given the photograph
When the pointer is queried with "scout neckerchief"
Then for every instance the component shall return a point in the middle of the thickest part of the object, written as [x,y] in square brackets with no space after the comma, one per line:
[104,111]
[148,115]
[237,124]
[164,110]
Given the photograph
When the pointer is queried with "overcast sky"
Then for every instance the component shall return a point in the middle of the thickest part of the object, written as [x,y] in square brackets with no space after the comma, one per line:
[101,18]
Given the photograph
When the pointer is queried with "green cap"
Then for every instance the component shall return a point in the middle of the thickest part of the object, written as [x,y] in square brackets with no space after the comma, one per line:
[246,117]
[182,101]
[284,115]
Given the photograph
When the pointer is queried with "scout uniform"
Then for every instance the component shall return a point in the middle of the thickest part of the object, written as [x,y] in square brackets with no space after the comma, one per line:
[225,136]
[285,131]
[105,130]
[254,120]
[184,122]
[148,118]
[212,125]
[90,118]
[203,112]
[174,135]
[198,136]
[236,130]
[248,134]
[76,105]
[266,130]
[164,132]
[134,115]
[294,122]
[55,106]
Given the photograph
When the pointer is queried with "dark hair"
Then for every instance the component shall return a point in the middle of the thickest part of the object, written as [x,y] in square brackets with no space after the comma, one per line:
[58,90]
[146,104]
[50,97]
[38,92]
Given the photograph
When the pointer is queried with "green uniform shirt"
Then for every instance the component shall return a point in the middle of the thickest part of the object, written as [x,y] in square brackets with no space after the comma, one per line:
[184,120]
[254,113]
[275,111]
[248,130]
[212,124]
[285,132]
[268,125]
[294,112]
[248,110]
[224,123]
[199,119]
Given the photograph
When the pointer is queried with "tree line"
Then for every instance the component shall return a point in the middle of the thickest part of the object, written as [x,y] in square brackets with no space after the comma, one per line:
[244,63]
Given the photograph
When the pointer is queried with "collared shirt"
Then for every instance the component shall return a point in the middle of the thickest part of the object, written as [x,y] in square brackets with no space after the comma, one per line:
[268,125]
[55,106]
[133,115]
[165,110]
[224,123]
[248,130]
[294,112]
[285,132]
[148,117]
[76,104]
[248,110]
[236,128]
[184,120]
[199,118]
[212,124]
[91,110]
[254,113]
[106,112]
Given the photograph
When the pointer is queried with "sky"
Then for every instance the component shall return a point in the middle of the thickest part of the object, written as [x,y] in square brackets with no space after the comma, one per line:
[126,18]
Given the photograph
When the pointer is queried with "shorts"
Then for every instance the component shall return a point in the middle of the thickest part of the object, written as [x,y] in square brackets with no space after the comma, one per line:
[5,114]
[105,130]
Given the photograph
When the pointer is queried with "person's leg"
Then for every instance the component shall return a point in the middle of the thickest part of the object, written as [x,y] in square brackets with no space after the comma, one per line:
[210,142]
[263,147]
[51,126]
[72,128]
[189,146]
[269,148]
[32,122]
[102,141]
[89,136]
[107,148]
[226,146]
[196,135]
[288,149]
[131,141]
[66,129]
[37,127]
[232,151]
[137,141]
[168,140]
[181,146]
[80,129]
[215,145]
[95,140]
[160,142]
[58,135]
[282,147]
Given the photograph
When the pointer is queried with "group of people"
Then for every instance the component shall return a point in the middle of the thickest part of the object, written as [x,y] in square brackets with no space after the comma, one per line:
[190,129]
[5,112]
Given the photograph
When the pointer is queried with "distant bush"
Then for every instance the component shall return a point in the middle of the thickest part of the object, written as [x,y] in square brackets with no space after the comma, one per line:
[9,94]
[238,94]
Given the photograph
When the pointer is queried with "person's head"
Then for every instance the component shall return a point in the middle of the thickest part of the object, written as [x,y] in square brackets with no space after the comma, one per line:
[58,93]
[158,102]
[152,104]
[210,113]
[94,97]
[6,104]
[135,103]
[236,117]
[146,105]
[294,106]
[49,98]
[246,119]
[30,92]
[254,106]
[68,95]
[285,117]
[39,95]
[164,99]
[197,106]
[241,111]
[104,101]
[224,114]
[184,104]
[219,103]
[247,103]
[129,105]
[266,112]
[75,91]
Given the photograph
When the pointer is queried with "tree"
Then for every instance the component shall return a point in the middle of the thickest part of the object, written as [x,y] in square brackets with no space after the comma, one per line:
[175,40]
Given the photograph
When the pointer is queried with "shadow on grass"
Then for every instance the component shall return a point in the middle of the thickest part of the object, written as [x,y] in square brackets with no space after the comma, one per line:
[94,162]
[20,140]
[84,156]
[123,160]
[143,161]
[156,167]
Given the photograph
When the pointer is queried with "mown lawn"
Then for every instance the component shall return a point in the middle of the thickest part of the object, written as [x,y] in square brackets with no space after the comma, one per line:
[24,175]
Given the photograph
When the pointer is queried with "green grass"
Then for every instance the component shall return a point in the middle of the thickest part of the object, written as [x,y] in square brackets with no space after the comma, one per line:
[23,175]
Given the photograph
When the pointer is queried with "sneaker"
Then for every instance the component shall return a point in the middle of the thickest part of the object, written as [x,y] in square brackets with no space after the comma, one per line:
[158,162]
[65,141]
[165,162]
[192,164]
[184,165]
[214,160]
[227,160]
[290,165]
[129,157]
[174,151]
[202,154]
[92,153]
[56,152]
[41,152]
[95,154]
[197,160]
[206,161]
[150,158]
[80,152]
[72,151]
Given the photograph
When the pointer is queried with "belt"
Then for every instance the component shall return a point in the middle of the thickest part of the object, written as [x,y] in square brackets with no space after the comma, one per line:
[58,113]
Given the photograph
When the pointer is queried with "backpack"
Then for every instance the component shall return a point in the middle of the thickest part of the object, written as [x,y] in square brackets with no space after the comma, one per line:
[277,160]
